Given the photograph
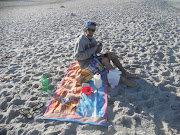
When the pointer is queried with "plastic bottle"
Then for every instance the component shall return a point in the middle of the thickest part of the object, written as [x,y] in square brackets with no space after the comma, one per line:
[97,81]
[45,83]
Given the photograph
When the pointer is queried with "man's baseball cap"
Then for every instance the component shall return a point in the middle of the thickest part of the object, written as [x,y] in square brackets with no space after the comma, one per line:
[90,23]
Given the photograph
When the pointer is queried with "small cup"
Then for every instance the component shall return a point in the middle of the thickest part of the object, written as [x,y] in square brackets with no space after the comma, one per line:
[87,90]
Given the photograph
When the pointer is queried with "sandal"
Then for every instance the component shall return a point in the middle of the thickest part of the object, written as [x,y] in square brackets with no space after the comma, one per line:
[36,107]
[26,113]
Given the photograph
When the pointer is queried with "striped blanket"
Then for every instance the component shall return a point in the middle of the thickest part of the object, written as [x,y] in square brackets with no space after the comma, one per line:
[89,109]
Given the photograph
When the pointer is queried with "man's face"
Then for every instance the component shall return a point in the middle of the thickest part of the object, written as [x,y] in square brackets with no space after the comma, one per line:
[90,31]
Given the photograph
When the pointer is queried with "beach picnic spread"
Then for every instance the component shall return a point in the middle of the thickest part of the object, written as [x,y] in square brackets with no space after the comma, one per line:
[73,102]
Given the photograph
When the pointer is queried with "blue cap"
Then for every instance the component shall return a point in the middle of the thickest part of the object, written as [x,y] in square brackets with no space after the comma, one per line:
[90,23]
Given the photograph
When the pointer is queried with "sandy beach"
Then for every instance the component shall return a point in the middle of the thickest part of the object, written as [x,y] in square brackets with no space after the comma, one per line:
[38,37]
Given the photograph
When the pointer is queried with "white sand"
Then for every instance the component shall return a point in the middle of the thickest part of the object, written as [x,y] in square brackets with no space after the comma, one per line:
[40,38]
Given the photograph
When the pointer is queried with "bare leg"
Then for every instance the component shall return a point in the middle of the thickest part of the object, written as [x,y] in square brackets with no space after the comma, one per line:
[107,64]
[127,82]
[116,62]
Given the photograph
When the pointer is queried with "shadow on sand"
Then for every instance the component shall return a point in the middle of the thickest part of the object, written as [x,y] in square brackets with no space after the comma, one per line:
[144,102]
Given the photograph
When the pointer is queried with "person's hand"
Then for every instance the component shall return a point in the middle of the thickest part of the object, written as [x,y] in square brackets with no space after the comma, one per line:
[95,48]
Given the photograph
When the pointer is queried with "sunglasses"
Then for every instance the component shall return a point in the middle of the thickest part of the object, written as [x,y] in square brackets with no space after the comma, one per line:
[89,29]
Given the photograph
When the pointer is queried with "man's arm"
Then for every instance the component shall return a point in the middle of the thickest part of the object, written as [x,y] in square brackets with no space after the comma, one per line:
[81,54]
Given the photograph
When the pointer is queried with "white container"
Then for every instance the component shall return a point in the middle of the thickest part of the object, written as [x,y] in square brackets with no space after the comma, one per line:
[97,81]
[113,77]
[85,84]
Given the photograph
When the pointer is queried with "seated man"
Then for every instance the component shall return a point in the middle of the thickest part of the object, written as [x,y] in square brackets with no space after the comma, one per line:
[86,48]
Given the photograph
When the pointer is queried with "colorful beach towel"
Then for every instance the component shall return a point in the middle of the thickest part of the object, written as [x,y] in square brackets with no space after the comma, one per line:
[89,109]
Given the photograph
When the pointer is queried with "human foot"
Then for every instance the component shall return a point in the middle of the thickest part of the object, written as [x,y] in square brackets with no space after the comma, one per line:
[127,82]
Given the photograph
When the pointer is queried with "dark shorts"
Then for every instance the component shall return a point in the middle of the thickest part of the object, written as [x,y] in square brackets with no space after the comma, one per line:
[102,56]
